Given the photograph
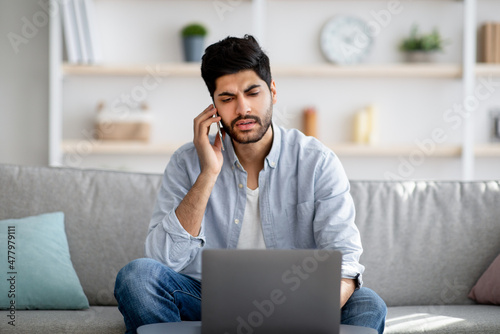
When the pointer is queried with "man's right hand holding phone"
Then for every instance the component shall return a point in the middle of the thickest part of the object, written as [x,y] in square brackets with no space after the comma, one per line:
[210,155]
[192,208]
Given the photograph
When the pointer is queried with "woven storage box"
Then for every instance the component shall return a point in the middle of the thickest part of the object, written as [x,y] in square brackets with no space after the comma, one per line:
[131,125]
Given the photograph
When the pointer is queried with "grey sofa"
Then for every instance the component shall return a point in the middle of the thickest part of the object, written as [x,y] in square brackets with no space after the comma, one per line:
[425,244]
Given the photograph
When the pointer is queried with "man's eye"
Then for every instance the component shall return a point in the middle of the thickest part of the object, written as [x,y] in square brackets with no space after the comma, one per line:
[226,100]
[253,93]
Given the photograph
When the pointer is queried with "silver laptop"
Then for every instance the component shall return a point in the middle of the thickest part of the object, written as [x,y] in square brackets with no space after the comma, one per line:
[270,291]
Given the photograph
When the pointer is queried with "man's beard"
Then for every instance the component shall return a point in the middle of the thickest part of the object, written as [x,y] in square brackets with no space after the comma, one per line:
[243,138]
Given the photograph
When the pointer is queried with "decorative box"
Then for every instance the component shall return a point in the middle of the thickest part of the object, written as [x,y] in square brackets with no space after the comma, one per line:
[123,123]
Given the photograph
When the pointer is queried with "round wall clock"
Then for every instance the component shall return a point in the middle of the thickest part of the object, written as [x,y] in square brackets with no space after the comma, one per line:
[345,40]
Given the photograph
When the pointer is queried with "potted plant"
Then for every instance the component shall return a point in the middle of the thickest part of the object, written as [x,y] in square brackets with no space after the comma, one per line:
[193,39]
[421,47]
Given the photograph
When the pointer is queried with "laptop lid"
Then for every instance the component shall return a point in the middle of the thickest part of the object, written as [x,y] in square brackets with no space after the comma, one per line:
[270,291]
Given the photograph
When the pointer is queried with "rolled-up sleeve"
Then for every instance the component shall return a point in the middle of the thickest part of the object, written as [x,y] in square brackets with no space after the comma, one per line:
[334,226]
[167,240]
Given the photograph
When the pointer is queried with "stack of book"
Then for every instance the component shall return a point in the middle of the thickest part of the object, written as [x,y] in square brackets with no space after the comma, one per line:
[80,32]
[490,43]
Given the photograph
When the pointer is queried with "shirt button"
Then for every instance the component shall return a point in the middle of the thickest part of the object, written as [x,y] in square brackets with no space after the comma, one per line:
[240,185]
[236,221]
[273,164]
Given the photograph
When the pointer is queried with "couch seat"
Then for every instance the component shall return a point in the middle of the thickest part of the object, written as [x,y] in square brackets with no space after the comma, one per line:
[467,319]
[96,319]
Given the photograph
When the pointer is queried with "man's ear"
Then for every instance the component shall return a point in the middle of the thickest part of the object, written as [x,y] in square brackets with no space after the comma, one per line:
[273,92]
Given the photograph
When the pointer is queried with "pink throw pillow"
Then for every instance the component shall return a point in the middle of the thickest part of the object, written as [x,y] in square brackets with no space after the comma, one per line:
[487,288]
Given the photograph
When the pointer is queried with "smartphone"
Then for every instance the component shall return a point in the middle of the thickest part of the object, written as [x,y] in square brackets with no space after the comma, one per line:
[220,133]
[219,126]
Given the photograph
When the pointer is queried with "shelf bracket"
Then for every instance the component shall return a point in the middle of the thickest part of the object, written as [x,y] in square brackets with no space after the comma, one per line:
[469,80]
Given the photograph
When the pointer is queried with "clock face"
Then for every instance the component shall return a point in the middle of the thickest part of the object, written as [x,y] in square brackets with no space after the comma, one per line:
[345,40]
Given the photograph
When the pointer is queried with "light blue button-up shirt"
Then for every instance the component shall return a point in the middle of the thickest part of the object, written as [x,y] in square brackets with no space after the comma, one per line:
[304,202]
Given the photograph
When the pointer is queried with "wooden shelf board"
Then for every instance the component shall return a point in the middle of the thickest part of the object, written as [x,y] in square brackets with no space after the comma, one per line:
[445,151]
[487,150]
[86,147]
[161,70]
[484,70]
[361,150]
[315,70]
[371,70]
[401,70]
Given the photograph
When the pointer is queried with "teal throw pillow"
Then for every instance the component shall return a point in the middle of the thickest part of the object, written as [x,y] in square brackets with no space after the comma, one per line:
[35,265]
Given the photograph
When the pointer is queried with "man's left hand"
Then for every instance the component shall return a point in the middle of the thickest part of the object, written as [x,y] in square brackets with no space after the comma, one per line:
[347,287]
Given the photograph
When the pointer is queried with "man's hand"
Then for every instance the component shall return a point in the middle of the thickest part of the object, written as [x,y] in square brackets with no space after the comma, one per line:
[347,287]
[210,155]
[192,208]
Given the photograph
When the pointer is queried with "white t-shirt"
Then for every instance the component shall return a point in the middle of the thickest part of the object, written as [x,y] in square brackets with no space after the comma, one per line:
[251,236]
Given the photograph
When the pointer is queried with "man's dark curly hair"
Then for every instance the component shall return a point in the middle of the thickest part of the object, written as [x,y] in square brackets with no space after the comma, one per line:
[232,55]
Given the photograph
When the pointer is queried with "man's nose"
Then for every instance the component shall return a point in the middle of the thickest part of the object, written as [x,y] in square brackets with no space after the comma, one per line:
[242,107]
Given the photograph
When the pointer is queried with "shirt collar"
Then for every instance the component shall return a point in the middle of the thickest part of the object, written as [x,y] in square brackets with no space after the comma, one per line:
[274,155]
[271,159]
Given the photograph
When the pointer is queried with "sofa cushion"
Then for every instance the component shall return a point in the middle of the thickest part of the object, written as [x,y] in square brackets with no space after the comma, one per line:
[426,242]
[487,288]
[443,319]
[106,216]
[96,319]
[39,272]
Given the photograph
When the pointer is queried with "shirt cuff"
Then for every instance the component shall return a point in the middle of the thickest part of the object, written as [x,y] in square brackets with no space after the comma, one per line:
[354,272]
[358,280]
[174,228]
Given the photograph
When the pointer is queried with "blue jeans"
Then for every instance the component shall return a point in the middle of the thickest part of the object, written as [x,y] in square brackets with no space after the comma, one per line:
[149,292]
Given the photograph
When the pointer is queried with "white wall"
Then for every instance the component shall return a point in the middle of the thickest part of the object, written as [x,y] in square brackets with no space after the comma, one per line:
[148,32]
[23,84]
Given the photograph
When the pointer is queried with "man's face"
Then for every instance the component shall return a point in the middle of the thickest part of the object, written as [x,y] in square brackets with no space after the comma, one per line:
[245,104]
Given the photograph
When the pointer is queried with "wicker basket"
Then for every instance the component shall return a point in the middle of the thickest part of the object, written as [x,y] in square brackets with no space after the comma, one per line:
[134,125]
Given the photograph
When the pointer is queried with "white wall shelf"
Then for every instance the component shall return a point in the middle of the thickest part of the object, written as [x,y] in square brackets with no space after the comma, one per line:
[487,69]
[403,70]
[377,151]
[99,147]
[445,71]
[487,150]
[462,73]
[118,147]
[180,69]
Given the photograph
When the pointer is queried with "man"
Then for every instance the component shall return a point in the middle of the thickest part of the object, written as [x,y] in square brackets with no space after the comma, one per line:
[269,188]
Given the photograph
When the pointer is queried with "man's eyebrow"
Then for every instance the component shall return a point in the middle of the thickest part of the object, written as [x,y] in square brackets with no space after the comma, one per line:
[251,87]
[226,94]
[245,91]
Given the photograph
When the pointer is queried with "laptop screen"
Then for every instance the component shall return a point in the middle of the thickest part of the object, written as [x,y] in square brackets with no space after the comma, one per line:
[270,291]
